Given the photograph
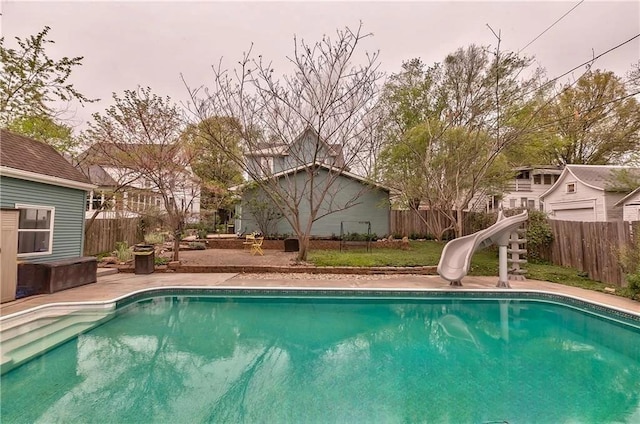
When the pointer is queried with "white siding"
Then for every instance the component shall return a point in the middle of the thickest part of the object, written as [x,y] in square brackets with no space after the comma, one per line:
[571,206]
[631,208]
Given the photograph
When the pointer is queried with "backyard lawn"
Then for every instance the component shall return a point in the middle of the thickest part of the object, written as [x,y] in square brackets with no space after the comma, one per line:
[425,253]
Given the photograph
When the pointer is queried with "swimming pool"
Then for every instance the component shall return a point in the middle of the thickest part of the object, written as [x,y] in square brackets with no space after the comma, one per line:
[336,356]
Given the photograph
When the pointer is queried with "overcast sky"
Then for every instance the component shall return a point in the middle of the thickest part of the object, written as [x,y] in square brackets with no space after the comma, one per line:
[126,44]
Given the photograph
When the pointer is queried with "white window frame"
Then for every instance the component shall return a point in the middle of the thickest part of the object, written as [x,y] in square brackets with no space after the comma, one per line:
[50,230]
[575,187]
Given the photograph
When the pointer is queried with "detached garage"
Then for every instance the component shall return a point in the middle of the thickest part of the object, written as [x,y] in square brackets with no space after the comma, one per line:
[630,205]
[586,193]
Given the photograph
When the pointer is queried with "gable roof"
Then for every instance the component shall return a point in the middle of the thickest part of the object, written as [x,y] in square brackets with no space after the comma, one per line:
[321,165]
[628,197]
[595,176]
[333,149]
[25,158]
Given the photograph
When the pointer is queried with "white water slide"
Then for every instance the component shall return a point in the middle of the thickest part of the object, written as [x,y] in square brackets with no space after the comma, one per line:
[456,255]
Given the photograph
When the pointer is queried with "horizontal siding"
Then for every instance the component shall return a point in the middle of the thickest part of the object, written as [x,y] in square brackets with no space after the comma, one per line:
[369,204]
[69,204]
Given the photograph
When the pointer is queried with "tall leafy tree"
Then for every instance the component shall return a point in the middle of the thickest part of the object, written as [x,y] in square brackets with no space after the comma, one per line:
[594,121]
[449,125]
[30,83]
[211,160]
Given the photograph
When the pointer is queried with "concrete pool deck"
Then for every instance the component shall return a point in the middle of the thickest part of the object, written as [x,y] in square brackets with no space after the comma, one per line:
[109,287]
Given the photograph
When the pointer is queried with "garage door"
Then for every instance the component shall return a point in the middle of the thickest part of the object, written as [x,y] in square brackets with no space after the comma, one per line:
[583,214]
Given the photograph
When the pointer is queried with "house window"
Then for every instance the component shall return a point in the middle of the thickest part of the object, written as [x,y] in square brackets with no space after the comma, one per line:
[266,166]
[35,230]
[531,204]
[571,187]
[541,206]
[512,203]
[548,179]
[537,179]
[523,202]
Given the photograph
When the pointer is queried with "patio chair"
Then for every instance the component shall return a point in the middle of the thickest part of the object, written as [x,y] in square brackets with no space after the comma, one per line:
[250,238]
[256,247]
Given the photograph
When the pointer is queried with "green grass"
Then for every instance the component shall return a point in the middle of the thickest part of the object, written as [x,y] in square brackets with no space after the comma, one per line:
[426,253]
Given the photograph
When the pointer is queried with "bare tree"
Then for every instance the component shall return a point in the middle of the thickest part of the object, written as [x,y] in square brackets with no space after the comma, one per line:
[328,93]
[139,136]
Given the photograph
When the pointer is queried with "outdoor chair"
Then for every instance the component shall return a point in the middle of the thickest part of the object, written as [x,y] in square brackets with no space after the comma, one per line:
[256,247]
[248,242]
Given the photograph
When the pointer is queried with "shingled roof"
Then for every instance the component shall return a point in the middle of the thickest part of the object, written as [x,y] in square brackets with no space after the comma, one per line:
[26,154]
[599,176]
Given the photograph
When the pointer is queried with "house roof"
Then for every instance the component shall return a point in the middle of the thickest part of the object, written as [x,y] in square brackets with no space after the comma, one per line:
[321,165]
[598,177]
[26,158]
[628,197]
[98,175]
[334,149]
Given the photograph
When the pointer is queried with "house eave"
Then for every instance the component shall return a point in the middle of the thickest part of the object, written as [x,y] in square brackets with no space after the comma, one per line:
[6,171]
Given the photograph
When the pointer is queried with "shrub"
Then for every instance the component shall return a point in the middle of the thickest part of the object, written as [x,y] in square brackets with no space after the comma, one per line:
[154,238]
[122,252]
[196,245]
[539,235]
[159,260]
[629,259]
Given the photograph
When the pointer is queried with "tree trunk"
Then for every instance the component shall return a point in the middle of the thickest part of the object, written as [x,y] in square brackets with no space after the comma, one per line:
[177,235]
[459,223]
[303,250]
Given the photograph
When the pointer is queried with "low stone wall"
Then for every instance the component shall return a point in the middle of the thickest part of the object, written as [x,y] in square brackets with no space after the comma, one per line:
[314,244]
[421,270]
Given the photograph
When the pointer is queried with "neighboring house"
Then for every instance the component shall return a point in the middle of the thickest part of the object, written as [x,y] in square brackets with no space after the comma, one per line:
[276,158]
[355,201]
[523,191]
[136,195]
[585,193]
[529,184]
[630,205]
[49,194]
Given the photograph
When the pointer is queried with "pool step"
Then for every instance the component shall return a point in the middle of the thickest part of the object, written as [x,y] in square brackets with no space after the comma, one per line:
[25,336]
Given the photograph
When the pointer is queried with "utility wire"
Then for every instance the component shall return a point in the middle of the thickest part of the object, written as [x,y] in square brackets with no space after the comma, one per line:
[587,63]
[551,26]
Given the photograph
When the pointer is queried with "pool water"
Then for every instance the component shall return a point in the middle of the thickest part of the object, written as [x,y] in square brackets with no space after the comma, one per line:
[319,360]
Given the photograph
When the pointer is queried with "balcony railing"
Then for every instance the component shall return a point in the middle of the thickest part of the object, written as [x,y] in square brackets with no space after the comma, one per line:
[519,185]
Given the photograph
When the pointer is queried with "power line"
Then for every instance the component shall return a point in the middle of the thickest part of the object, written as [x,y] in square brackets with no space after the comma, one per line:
[551,26]
[587,63]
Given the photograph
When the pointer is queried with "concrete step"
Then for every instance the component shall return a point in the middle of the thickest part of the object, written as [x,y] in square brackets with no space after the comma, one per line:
[102,272]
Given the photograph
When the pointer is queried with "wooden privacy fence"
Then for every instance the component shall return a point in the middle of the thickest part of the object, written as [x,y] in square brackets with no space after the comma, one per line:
[105,233]
[409,222]
[592,247]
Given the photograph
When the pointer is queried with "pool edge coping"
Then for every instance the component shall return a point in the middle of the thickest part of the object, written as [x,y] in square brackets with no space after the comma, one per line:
[111,303]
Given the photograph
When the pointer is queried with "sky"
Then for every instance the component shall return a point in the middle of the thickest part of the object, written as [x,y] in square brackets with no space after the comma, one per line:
[151,43]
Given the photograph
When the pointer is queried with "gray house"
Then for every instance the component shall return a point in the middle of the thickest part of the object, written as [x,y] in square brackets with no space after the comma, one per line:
[303,170]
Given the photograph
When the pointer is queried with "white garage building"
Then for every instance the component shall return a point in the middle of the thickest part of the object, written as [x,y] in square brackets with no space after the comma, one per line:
[630,205]
[586,193]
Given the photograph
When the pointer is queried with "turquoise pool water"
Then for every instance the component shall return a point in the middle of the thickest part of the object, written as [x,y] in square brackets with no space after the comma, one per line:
[187,359]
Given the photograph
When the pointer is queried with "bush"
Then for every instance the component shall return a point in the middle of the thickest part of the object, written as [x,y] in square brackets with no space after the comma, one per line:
[196,245]
[159,260]
[154,238]
[539,235]
[122,252]
[359,237]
